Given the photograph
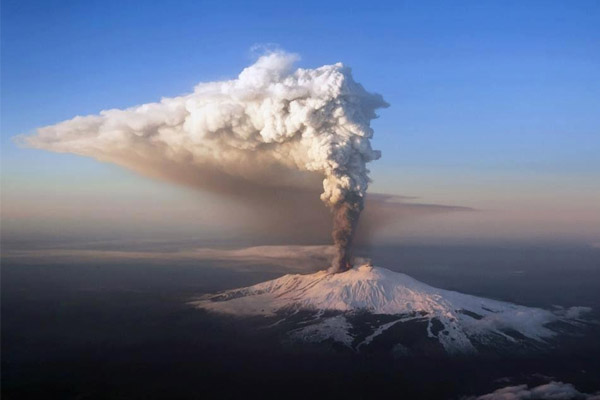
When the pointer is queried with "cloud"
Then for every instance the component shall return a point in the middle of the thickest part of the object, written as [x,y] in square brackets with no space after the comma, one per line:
[297,258]
[553,390]
[273,126]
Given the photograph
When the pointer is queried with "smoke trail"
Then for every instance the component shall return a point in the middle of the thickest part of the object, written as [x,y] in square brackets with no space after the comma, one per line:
[345,218]
[272,127]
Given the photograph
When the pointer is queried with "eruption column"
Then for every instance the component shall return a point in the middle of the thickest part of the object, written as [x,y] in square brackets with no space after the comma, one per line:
[268,127]
[345,219]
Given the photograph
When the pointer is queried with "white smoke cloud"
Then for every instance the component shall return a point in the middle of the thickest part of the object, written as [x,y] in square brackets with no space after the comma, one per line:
[271,118]
[270,127]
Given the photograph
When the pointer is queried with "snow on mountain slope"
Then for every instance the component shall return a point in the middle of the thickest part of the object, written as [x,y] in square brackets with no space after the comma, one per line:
[464,318]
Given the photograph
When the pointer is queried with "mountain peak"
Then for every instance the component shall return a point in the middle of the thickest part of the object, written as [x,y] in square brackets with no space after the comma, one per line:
[458,321]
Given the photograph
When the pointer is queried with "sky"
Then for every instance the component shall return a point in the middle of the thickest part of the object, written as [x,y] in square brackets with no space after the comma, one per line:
[494,107]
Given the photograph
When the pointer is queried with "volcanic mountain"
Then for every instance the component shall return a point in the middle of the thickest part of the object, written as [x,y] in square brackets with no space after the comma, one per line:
[367,305]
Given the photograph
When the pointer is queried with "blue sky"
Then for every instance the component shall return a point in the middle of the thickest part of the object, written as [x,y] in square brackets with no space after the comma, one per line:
[488,98]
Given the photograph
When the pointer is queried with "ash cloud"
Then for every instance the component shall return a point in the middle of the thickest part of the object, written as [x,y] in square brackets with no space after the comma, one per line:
[272,130]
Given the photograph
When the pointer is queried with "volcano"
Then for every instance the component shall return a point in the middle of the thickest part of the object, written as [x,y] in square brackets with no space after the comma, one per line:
[366,305]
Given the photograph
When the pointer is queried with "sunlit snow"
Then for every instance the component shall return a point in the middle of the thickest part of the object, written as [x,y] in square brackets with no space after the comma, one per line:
[376,290]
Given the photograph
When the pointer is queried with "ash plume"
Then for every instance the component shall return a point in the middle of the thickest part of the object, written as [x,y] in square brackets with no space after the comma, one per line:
[345,219]
[273,128]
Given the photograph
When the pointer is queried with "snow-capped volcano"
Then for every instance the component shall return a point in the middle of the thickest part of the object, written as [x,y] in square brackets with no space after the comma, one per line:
[330,304]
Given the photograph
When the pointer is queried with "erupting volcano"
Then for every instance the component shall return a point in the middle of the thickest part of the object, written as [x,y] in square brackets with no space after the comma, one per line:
[274,129]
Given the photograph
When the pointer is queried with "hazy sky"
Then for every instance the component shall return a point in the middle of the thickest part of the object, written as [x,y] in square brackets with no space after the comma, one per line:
[494,106]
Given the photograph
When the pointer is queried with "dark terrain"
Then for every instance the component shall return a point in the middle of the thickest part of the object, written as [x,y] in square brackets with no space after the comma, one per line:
[105,330]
